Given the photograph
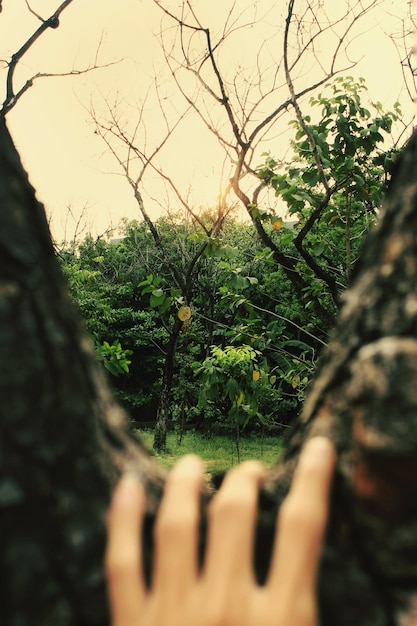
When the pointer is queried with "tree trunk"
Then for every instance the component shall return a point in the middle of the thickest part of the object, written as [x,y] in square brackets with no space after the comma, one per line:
[64,441]
[163,411]
[365,399]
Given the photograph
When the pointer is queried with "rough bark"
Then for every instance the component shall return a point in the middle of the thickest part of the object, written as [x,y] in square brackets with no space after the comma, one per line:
[365,399]
[63,440]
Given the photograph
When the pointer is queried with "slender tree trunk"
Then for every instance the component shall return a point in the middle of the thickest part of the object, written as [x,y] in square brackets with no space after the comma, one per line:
[64,441]
[348,239]
[164,405]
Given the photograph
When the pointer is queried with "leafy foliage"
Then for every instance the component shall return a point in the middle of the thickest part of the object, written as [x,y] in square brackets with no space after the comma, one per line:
[237,376]
[114,357]
[334,184]
[245,341]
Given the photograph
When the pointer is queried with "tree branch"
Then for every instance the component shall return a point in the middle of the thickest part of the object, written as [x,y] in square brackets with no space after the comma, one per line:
[11,95]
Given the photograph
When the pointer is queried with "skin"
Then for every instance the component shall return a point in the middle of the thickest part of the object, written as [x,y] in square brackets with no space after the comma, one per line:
[224,593]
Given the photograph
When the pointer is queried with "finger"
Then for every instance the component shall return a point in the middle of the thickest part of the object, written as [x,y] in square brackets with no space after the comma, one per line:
[232,517]
[302,520]
[123,560]
[176,530]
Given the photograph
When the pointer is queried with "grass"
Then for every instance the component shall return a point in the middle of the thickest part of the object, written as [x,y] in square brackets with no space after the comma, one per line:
[218,451]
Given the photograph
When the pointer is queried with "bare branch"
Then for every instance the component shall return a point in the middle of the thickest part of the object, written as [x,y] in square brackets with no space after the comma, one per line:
[34,12]
[248,117]
[405,47]
[294,103]
[11,95]
[116,137]
[8,105]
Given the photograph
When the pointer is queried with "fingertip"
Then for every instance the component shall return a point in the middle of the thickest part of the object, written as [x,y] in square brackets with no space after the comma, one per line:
[252,468]
[240,484]
[313,474]
[319,451]
[128,494]
[320,443]
[188,464]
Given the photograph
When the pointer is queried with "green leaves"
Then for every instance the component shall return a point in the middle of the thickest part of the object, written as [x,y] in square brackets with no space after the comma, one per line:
[335,180]
[160,299]
[213,246]
[342,139]
[127,305]
[311,177]
[157,298]
[113,357]
[233,374]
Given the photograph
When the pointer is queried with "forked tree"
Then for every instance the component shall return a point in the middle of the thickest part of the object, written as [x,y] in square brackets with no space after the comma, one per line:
[243,105]
[134,158]
[64,441]
[245,77]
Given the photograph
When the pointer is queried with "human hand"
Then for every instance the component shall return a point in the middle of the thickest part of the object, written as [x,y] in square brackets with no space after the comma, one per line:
[225,591]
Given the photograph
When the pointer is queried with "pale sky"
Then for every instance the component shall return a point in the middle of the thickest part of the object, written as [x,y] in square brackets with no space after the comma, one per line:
[52,128]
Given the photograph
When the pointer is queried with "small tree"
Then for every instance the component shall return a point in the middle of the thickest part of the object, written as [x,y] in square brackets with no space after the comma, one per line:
[237,376]
[333,185]
[242,104]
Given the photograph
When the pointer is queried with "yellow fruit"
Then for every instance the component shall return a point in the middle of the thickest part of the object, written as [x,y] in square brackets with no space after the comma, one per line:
[277,224]
[184,313]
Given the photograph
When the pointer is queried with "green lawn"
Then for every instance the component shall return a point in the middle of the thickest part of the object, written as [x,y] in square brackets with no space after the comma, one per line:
[218,452]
